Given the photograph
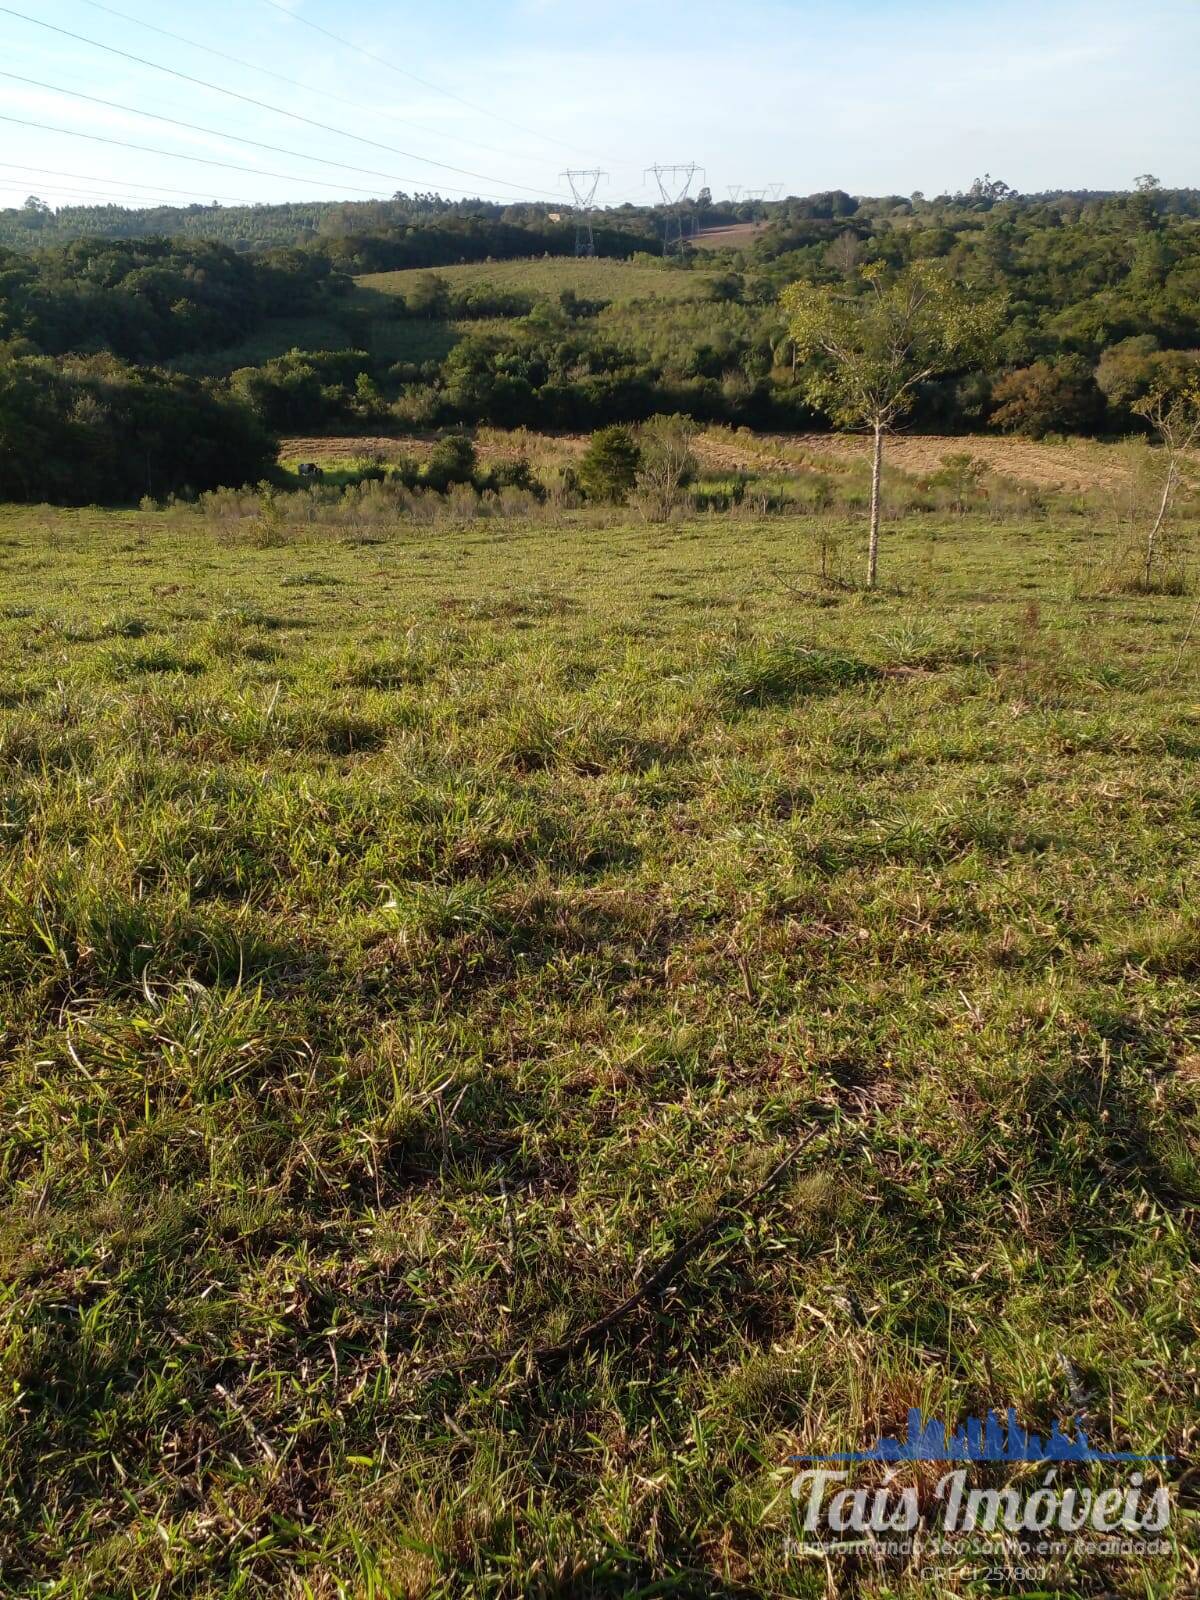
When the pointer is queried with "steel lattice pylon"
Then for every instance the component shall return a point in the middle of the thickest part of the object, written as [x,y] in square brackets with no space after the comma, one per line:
[584,182]
[739,193]
[674,184]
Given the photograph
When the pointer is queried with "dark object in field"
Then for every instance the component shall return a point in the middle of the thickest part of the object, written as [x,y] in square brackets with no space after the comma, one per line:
[310,472]
[651,1285]
[662,1275]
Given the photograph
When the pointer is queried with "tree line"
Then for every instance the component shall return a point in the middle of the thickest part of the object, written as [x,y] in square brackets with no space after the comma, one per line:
[36,224]
[1102,300]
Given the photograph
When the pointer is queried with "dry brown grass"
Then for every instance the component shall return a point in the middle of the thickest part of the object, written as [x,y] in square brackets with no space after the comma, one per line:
[1070,464]
[325,451]
[1049,464]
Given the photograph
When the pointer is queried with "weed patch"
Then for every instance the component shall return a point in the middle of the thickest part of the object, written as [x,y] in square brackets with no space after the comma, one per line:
[764,674]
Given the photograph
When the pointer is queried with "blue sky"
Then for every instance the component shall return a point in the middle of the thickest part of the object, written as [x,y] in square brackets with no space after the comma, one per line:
[874,96]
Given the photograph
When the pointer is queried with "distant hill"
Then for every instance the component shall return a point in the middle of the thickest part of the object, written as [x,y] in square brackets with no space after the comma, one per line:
[37,225]
[623,299]
[463,318]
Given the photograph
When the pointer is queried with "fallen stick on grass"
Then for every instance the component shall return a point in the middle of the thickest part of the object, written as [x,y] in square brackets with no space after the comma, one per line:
[547,1355]
[662,1274]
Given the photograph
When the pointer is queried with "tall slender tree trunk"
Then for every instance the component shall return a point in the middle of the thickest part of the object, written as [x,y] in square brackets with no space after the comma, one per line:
[1152,536]
[876,476]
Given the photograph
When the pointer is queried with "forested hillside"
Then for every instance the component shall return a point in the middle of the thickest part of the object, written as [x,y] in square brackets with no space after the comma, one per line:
[37,224]
[423,231]
[1103,304]
[456,318]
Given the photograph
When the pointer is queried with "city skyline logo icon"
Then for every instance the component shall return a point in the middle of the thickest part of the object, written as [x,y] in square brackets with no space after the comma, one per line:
[990,1438]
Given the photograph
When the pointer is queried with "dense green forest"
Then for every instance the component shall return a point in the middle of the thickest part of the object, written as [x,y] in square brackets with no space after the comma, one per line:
[128,365]
[464,226]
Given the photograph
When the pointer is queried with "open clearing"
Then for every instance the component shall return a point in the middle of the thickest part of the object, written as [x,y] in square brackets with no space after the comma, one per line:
[596,278]
[1076,464]
[362,321]
[410,937]
[1071,464]
[365,319]
[734,237]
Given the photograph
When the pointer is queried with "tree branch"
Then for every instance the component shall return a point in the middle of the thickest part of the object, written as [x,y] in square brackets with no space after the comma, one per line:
[663,1274]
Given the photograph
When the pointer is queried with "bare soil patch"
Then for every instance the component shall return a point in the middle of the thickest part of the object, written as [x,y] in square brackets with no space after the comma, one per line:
[1051,464]
[1071,464]
[733,238]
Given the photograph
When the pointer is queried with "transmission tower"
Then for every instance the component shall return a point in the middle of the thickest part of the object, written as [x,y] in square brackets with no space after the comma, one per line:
[735,192]
[674,184]
[584,182]
[775,190]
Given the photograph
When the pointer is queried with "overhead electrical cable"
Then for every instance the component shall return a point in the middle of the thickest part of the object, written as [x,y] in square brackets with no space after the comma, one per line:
[263,105]
[95,177]
[294,16]
[80,196]
[203,161]
[279,77]
[232,138]
[38,188]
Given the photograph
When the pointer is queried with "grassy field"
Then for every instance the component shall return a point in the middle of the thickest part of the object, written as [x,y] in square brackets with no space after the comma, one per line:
[364,321]
[737,236]
[597,278]
[410,938]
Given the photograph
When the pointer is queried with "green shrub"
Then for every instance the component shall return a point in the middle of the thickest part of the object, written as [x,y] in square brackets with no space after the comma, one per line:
[97,430]
[452,460]
[609,469]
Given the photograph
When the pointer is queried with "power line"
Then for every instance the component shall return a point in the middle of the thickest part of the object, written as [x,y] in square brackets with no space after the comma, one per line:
[279,77]
[262,105]
[382,61]
[203,161]
[95,177]
[99,188]
[13,186]
[219,133]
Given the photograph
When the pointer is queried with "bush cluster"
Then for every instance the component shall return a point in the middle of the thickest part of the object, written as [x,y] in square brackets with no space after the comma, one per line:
[95,429]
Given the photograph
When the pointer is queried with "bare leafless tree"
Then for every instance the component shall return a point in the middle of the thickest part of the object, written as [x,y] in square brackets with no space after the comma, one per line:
[844,253]
[668,464]
[1175,419]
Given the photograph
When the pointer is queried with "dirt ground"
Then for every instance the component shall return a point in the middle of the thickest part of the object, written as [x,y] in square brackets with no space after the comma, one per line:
[492,444]
[733,237]
[1069,464]
[1051,464]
